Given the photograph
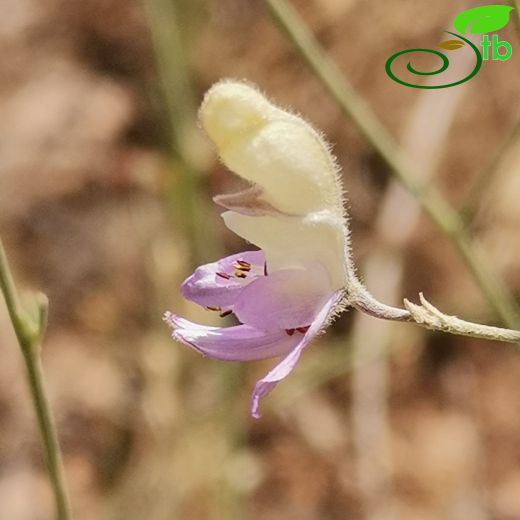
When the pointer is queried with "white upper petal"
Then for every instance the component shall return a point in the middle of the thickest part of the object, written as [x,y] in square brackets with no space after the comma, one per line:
[272,148]
[295,241]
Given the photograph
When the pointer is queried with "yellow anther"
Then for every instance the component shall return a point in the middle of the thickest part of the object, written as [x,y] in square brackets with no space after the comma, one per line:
[241,265]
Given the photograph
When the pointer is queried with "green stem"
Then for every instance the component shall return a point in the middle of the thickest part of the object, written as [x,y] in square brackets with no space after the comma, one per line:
[516,16]
[439,210]
[48,433]
[486,178]
[29,330]
[174,74]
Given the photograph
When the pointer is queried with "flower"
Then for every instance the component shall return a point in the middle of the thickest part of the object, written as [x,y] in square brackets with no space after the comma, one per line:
[287,292]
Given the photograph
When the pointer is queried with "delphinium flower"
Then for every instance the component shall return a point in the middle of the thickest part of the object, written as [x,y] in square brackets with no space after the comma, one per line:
[287,292]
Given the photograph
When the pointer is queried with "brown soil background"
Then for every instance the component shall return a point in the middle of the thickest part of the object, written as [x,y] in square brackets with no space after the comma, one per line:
[91,214]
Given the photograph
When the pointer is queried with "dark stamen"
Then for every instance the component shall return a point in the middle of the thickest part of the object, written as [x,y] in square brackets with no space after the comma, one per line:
[216,309]
[240,274]
[225,313]
[290,332]
[239,267]
[244,264]
[303,330]
[265,268]
[224,275]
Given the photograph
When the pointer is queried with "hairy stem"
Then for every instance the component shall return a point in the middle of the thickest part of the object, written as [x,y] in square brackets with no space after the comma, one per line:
[29,329]
[430,317]
[363,301]
[439,210]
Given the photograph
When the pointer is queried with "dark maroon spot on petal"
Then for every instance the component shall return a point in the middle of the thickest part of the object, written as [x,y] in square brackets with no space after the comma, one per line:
[303,330]
[225,313]
[216,309]
[265,268]
[224,275]
[290,332]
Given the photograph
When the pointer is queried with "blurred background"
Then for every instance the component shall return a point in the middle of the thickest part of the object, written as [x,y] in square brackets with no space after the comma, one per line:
[105,205]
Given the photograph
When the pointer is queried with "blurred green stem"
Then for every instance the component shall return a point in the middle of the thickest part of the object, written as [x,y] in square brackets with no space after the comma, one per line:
[515,4]
[174,72]
[485,179]
[29,328]
[168,32]
[440,211]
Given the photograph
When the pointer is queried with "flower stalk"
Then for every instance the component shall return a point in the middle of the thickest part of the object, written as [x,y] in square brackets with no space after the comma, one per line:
[29,325]
[430,317]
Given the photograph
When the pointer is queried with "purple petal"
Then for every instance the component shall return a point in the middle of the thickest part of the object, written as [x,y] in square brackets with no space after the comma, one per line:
[240,343]
[216,284]
[285,367]
[286,299]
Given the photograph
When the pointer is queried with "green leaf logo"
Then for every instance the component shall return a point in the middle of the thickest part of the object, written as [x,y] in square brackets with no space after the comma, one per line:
[480,20]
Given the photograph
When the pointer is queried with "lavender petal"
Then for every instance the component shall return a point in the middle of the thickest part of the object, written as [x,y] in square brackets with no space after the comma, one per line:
[287,364]
[215,284]
[239,343]
[286,299]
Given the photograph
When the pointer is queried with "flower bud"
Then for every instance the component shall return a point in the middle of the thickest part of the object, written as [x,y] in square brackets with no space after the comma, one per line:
[272,148]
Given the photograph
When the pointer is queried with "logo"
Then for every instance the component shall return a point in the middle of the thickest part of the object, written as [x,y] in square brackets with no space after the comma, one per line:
[479,20]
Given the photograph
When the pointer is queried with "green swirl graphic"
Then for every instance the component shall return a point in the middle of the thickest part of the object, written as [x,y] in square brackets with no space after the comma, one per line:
[442,68]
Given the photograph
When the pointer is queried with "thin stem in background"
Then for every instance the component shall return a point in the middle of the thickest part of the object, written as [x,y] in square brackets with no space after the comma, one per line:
[397,219]
[175,76]
[516,16]
[440,211]
[486,178]
[29,329]
[168,33]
